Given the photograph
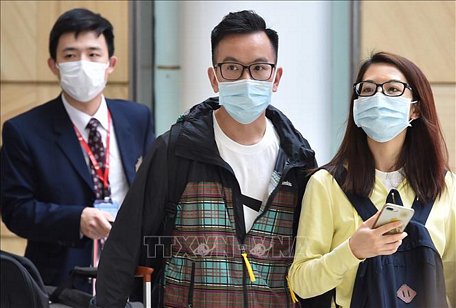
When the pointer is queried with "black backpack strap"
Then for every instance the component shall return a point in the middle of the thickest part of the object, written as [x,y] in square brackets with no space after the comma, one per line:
[177,180]
[363,205]
[422,211]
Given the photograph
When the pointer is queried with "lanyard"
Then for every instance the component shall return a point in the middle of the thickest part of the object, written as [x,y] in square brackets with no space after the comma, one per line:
[103,177]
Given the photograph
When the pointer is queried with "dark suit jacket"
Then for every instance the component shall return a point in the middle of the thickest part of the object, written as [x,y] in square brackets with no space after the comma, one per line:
[46,182]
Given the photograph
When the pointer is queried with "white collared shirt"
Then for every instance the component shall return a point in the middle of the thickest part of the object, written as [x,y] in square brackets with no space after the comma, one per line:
[391,180]
[117,178]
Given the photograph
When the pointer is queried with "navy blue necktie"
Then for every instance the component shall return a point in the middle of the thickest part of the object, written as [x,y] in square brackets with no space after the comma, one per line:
[96,146]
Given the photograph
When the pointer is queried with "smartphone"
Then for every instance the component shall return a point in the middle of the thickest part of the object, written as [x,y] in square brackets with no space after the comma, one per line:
[393,212]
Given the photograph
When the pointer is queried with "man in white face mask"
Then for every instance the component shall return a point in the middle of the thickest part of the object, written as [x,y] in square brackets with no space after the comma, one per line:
[240,178]
[67,164]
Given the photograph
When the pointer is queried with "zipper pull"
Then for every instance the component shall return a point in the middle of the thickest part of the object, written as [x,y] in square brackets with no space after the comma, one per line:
[394,199]
[294,299]
[247,264]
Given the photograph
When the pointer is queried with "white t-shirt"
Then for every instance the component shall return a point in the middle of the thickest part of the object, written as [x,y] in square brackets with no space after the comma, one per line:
[253,166]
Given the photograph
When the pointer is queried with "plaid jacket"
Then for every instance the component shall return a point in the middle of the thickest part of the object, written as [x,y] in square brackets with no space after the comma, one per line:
[213,262]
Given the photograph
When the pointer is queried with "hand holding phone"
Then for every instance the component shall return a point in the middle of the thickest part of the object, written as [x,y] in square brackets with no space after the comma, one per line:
[393,212]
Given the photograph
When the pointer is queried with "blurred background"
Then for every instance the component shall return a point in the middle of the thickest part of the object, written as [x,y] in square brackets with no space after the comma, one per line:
[164,52]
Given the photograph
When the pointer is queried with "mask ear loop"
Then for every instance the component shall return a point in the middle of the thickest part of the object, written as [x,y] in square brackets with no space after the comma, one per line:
[215,75]
[276,66]
[412,118]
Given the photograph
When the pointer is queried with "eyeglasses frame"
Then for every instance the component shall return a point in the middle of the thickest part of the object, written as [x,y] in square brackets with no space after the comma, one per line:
[406,86]
[244,67]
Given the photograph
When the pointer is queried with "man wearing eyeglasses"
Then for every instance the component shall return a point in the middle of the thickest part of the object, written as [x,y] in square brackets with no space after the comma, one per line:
[244,166]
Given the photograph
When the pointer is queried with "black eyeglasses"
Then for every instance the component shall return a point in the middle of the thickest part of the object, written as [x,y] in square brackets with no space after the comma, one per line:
[257,71]
[389,88]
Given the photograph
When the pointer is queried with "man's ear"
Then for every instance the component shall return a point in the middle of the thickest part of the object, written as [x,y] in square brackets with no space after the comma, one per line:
[276,82]
[53,67]
[112,64]
[213,79]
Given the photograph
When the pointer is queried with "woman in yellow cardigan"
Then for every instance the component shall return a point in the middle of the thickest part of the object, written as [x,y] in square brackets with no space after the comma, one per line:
[392,141]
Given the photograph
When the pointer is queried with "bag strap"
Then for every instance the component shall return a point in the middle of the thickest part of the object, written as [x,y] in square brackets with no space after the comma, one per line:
[422,211]
[363,205]
[177,180]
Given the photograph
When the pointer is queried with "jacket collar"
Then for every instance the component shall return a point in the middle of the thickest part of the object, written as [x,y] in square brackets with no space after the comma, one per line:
[68,142]
[125,142]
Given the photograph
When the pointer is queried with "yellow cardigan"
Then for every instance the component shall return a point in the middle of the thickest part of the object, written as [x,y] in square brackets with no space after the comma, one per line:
[323,259]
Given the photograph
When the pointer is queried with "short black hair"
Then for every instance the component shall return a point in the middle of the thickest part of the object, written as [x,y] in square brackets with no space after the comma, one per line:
[77,21]
[242,22]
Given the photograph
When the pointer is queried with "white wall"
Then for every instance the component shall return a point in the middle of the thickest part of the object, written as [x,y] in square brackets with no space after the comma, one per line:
[304,54]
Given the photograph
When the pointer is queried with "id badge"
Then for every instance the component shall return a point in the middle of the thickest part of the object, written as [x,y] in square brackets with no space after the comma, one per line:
[107,206]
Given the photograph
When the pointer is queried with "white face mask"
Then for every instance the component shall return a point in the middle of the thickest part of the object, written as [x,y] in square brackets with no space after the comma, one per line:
[382,117]
[245,100]
[82,80]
